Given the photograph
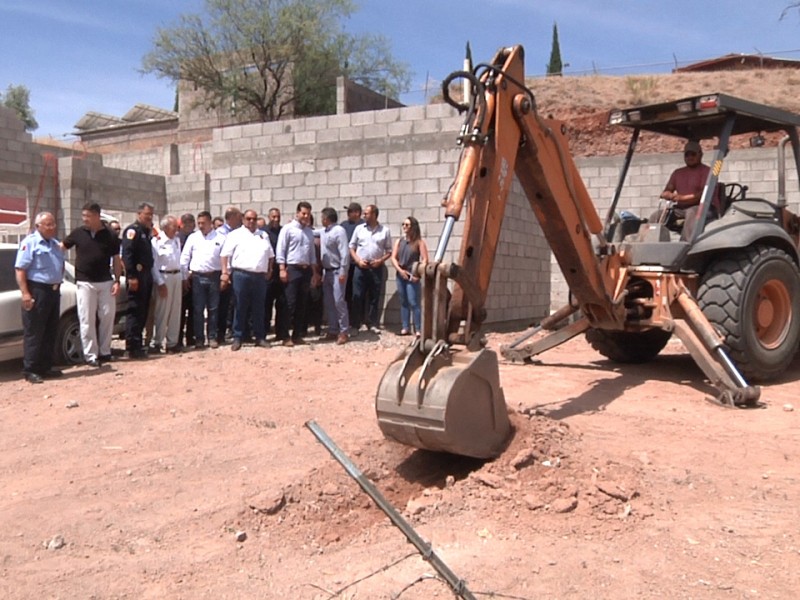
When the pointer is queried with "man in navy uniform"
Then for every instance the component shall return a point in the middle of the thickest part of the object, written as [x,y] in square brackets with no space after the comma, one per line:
[39,269]
[137,256]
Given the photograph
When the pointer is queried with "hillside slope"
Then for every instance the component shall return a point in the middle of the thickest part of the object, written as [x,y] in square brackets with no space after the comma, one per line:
[584,102]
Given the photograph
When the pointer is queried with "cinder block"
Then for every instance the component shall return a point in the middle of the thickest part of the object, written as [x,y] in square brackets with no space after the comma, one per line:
[413,113]
[400,128]
[397,159]
[282,139]
[350,162]
[362,175]
[351,134]
[240,198]
[294,179]
[339,177]
[376,188]
[240,170]
[387,174]
[327,136]
[361,119]
[376,131]
[376,160]
[261,195]
[283,168]
[401,187]
[351,190]
[316,178]
[305,137]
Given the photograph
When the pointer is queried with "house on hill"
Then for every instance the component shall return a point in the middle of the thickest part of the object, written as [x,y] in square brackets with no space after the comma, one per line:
[739,62]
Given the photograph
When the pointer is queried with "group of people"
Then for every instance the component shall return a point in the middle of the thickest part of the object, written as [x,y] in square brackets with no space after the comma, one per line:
[193,284]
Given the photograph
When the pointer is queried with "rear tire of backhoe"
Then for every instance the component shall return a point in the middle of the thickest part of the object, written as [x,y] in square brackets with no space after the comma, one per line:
[628,346]
[752,297]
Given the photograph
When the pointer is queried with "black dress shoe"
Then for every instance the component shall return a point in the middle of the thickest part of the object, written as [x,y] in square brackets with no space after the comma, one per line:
[33,378]
[52,374]
[93,363]
[237,344]
[262,343]
[105,358]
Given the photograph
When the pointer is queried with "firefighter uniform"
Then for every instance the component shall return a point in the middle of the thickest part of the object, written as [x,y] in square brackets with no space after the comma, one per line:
[137,256]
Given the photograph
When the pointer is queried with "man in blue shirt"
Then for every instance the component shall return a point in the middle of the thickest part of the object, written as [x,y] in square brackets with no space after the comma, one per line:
[335,258]
[297,260]
[39,269]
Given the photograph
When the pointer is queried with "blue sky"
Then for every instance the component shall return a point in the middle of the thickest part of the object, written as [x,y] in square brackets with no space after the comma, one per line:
[76,56]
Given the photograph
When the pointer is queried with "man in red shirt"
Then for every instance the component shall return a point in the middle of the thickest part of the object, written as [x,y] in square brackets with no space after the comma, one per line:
[685,188]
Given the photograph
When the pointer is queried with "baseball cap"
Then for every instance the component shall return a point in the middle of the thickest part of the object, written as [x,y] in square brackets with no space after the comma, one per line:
[353,206]
[692,146]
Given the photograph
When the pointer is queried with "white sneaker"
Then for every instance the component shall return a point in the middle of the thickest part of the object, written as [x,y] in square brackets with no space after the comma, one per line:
[375,330]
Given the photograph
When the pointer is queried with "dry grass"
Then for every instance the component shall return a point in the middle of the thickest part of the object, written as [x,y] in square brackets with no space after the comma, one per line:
[776,87]
[583,102]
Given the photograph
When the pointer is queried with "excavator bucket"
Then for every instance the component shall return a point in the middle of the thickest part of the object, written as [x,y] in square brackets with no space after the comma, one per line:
[445,402]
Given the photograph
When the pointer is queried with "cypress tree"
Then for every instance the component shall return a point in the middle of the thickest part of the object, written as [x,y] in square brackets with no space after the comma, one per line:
[555,66]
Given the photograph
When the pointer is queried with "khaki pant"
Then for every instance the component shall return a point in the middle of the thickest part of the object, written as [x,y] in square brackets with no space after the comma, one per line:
[96,309]
[167,317]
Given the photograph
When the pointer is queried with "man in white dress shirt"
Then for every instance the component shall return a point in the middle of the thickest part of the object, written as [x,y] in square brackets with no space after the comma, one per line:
[247,259]
[201,262]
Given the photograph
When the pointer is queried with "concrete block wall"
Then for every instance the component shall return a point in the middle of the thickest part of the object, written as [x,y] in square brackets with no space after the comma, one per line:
[403,160]
[118,191]
[353,97]
[20,158]
[193,157]
[188,193]
[155,161]
[649,173]
[29,168]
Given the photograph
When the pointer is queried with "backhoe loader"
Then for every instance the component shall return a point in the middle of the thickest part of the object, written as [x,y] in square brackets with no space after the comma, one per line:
[730,293]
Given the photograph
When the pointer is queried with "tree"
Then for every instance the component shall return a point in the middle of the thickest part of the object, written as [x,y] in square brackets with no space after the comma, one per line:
[789,8]
[18,99]
[555,67]
[270,58]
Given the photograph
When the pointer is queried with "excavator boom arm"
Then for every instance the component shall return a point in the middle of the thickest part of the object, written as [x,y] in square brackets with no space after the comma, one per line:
[503,136]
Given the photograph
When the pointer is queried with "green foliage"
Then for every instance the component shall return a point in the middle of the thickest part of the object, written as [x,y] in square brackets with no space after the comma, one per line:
[641,88]
[555,67]
[270,58]
[18,99]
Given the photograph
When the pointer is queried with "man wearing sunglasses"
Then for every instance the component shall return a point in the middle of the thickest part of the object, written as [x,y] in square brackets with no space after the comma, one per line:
[685,188]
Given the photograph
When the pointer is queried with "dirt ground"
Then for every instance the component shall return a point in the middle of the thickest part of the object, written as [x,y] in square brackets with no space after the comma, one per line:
[193,476]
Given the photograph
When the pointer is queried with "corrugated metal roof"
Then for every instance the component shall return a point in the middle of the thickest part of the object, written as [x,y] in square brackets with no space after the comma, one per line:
[140,113]
[96,120]
[146,112]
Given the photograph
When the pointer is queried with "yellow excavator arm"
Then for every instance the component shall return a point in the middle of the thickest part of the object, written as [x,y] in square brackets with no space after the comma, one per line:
[503,136]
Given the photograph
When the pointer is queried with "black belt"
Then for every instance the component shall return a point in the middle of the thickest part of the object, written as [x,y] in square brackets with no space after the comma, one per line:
[301,267]
[206,273]
[172,272]
[237,269]
[49,286]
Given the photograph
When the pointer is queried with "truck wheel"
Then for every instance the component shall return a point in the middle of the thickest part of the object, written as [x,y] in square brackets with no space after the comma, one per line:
[69,350]
[752,297]
[628,346]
